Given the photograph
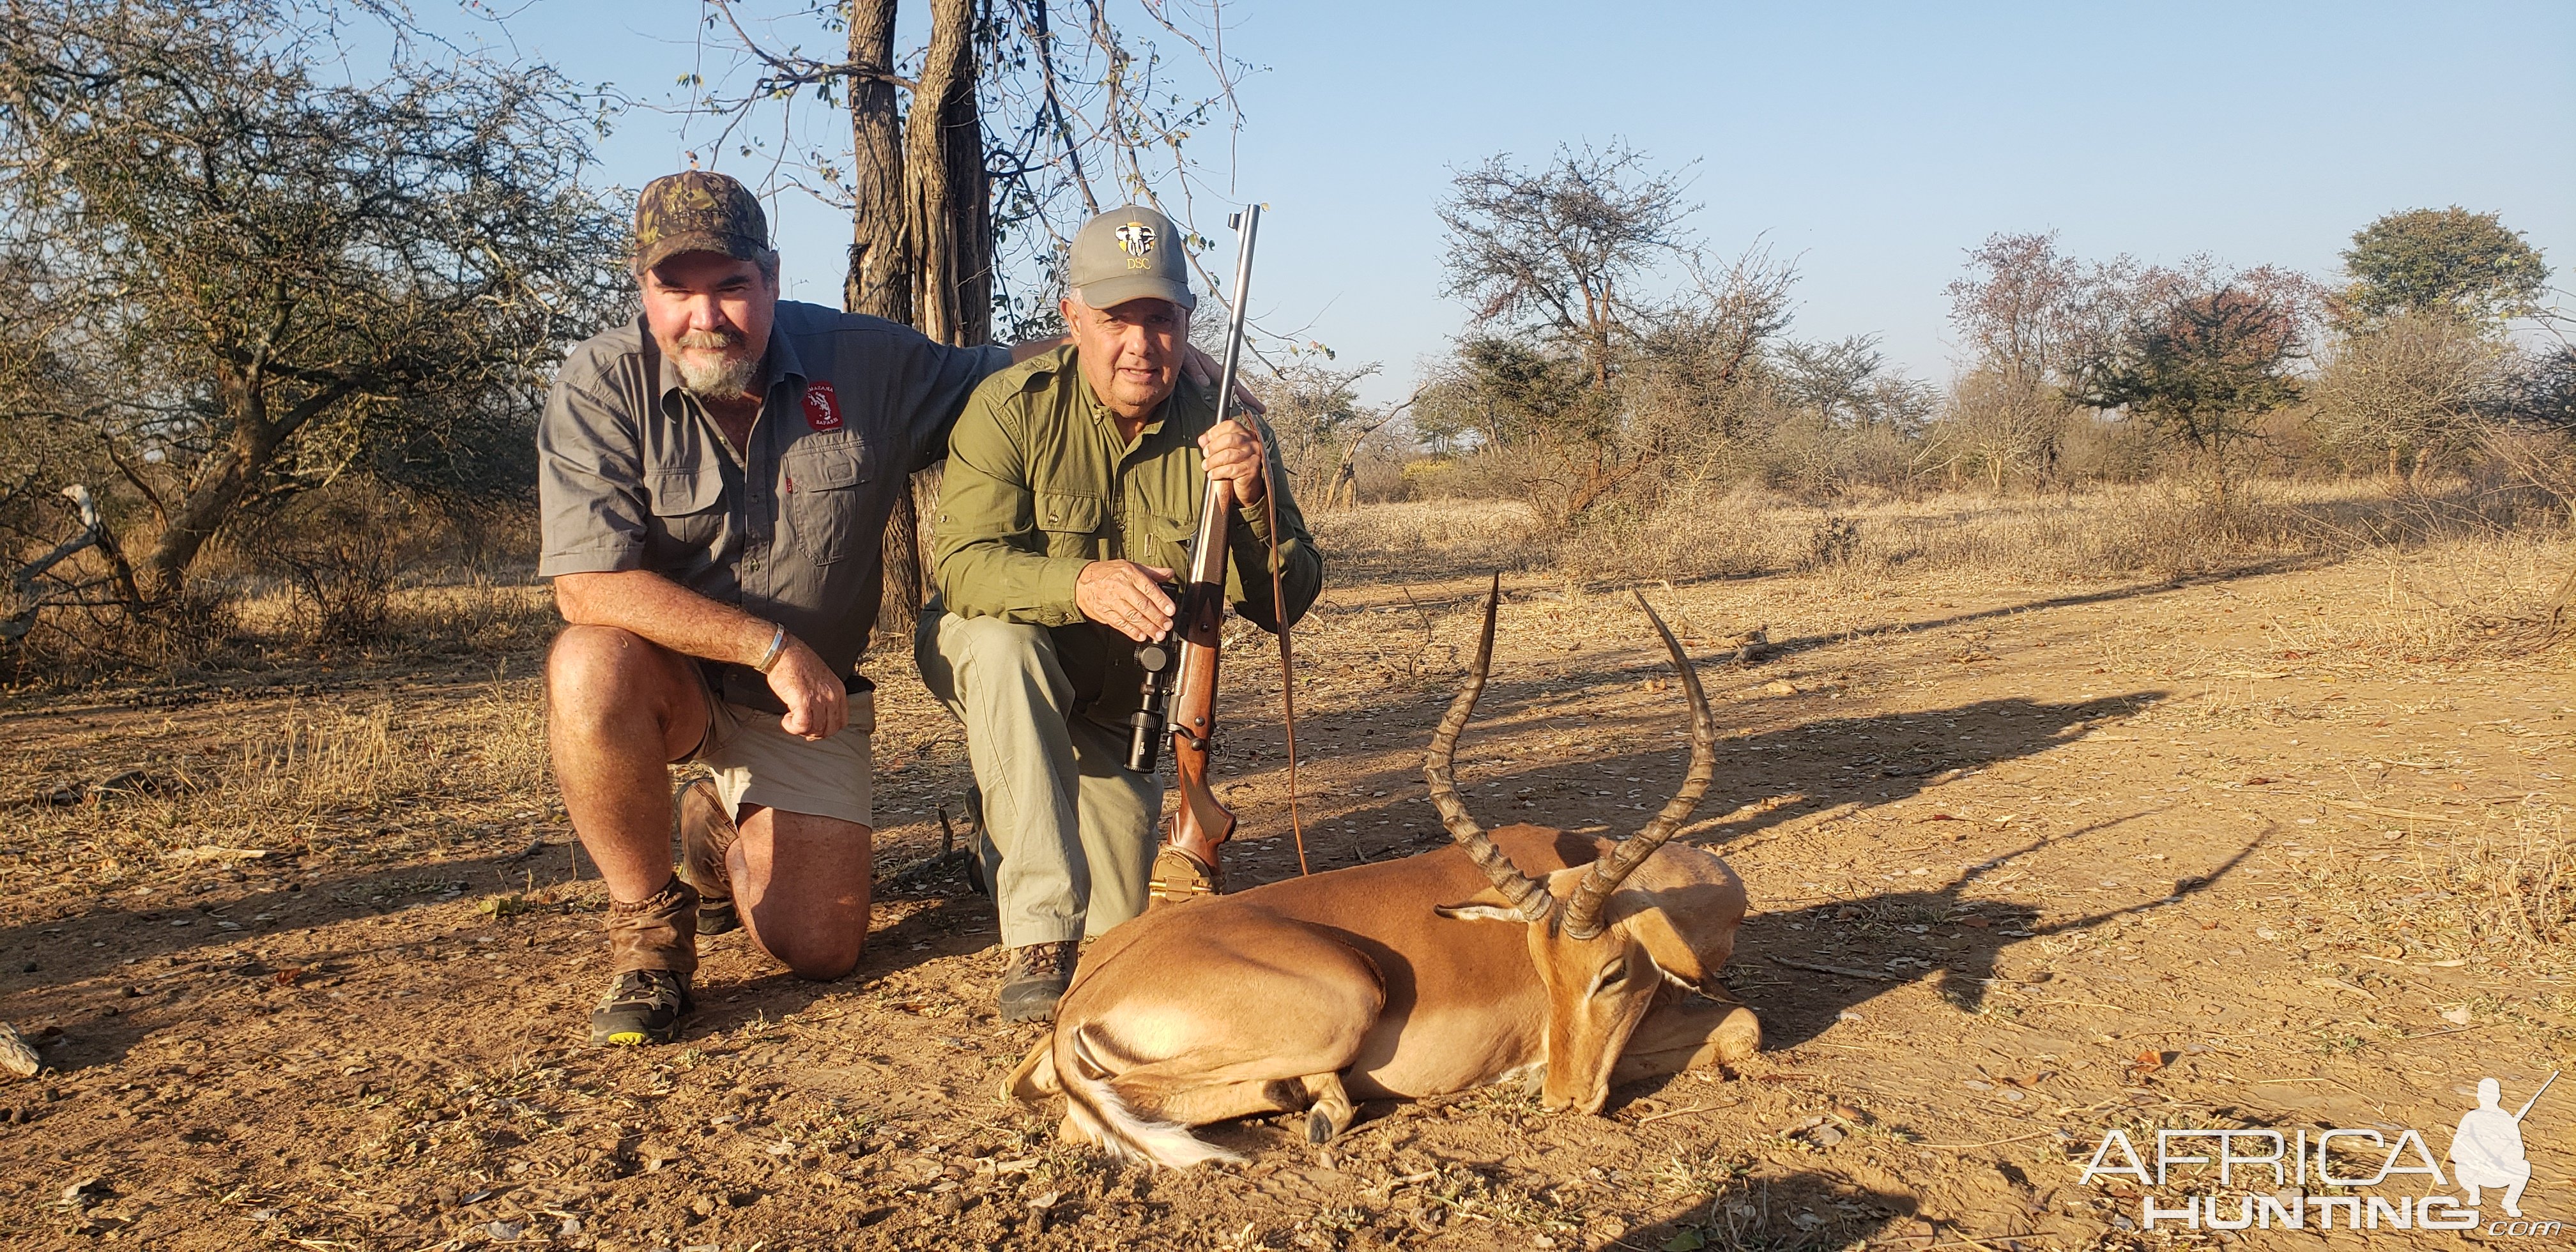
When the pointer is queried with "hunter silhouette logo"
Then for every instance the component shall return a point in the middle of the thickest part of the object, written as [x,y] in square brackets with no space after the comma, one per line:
[1136,239]
[2486,1151]
[822,407]
[2360,1163]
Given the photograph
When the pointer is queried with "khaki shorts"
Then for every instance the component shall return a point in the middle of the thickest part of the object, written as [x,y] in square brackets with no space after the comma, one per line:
[755,762]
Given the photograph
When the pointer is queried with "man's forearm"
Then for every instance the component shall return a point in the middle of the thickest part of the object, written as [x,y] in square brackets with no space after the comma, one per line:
[647,604]
[991,578]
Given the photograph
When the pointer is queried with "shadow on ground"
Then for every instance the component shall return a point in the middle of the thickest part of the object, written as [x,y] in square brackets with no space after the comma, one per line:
[1830,975]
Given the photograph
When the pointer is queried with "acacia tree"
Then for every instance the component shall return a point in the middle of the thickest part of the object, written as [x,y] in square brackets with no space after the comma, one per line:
[2416,382]
[2028,315]
[973,172]
[1570,370]
[2449,263]
[1554,249]
[258,281]
[2200,368]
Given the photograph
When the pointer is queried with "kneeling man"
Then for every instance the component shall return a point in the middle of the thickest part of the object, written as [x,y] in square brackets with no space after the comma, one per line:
[1073,487]
[715,479]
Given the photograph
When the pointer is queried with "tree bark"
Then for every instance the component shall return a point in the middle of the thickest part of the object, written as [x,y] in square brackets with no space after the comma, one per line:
[209,503]
[921,249]
[880,277]
[943,168]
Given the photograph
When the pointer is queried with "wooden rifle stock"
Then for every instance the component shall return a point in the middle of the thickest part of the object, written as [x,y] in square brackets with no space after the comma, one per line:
[1201,823]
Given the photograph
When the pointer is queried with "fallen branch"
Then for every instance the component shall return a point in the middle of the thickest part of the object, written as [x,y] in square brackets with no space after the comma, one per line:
[1990,1143]
[2376,811]
[1871,974]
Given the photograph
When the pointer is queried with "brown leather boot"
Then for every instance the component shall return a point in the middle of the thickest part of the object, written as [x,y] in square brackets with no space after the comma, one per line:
[652,953]
[1035,978]
[706,833]
[1180,876]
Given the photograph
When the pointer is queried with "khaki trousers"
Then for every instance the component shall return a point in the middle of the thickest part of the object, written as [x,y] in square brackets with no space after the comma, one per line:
[1068,833]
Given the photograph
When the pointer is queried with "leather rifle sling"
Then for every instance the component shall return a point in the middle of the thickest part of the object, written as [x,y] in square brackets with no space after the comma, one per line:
[1287,662]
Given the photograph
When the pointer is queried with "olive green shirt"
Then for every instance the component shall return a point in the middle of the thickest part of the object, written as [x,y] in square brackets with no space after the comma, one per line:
[1039,484]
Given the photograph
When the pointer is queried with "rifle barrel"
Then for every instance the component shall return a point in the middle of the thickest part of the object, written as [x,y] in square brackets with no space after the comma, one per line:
[2535,1096]
[1207,556]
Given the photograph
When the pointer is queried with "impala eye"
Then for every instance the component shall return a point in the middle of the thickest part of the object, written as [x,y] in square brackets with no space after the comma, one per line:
[1615,973]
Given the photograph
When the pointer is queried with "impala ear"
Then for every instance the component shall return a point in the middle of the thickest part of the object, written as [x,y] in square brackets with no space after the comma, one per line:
[1487,905]
[1683,906]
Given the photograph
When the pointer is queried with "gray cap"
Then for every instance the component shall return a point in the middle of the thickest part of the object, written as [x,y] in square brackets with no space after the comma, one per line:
[1128,253]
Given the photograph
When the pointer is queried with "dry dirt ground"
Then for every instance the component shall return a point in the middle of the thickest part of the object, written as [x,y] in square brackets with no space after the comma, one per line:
[308,953]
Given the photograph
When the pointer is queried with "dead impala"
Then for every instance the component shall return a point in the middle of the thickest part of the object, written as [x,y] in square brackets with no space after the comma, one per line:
[1526,951]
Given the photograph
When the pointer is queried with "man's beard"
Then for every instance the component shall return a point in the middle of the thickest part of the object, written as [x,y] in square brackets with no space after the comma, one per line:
[721,377]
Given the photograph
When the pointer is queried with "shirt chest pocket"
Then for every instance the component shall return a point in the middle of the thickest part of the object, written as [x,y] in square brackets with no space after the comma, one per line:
[826,499]
[1171,537]
[688,506]
[1070,523]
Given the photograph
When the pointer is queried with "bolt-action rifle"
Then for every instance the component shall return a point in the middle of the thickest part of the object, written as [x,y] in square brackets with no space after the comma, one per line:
[1181,667]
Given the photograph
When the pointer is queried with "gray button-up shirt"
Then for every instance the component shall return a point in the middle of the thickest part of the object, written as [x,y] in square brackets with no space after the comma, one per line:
[633,474]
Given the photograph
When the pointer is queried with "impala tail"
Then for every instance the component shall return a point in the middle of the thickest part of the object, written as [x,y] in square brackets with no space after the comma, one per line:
[1103,1116]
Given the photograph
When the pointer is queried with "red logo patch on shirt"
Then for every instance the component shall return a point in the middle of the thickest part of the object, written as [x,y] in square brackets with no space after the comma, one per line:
[822,408]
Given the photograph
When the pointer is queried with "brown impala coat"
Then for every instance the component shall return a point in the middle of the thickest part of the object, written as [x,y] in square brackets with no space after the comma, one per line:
[1508,954]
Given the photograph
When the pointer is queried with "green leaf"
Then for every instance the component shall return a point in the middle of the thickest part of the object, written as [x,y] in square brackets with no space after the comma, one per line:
[1689,1240]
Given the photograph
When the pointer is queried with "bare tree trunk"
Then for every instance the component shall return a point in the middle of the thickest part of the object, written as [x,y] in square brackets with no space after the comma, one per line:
[880,278]
[207,505]
[1343,491]
[922,250]
[2426,465]
[944,195]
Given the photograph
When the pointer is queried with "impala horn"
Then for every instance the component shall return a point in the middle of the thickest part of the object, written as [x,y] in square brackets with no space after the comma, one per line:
[1527,894]
[1583,912]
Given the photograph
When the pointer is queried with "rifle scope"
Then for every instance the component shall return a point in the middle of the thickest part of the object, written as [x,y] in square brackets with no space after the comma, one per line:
[1145,727]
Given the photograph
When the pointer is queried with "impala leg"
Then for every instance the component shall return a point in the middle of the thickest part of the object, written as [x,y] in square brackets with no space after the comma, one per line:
[1035,1079]
[1330,1110]
[1222,1101]
[1686,1033]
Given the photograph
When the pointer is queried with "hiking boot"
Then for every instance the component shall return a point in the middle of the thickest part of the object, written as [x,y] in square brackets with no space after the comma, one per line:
[1180,876]
[1035,978]
[706,833]
[642,1006]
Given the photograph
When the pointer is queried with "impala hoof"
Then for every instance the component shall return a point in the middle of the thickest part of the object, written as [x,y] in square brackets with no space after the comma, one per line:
[1319,1126]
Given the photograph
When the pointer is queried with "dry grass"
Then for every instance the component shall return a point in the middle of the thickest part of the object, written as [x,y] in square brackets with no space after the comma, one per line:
[2165,530]
[2500,894]
[2457,578]
[1429,535]
[474,616]
[360,781]
[2071,728]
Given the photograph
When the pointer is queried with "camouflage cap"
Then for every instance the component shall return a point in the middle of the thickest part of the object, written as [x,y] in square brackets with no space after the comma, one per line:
[698,211]
[1128,253]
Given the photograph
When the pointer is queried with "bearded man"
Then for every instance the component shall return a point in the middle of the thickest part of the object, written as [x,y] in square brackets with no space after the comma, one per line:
[715,479]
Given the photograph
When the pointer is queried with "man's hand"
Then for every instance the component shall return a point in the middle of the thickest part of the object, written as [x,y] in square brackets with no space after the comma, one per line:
[1203,369]
[1126,597]
[818,706]
[1234,453]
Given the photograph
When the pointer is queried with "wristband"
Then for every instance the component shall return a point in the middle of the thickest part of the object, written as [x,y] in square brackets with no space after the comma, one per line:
[777,649]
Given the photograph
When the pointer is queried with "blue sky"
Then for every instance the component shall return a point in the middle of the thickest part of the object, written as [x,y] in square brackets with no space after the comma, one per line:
[1871,142]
